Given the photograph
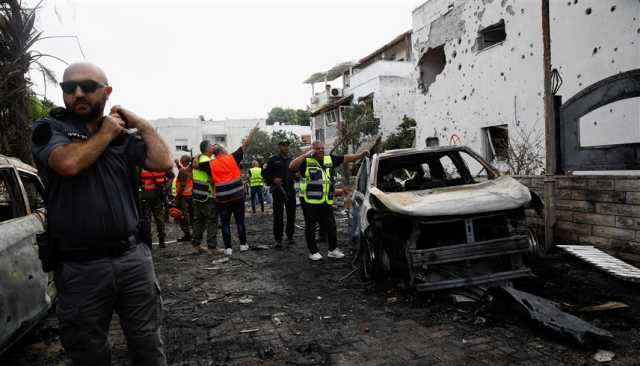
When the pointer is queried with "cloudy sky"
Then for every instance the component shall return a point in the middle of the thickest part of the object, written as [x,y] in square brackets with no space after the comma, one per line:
[221,59]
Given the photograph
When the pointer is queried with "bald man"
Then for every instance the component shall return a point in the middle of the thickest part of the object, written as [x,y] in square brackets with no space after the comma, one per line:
[89,161]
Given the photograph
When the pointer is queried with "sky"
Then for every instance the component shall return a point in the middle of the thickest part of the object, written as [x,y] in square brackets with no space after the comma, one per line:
[219,58]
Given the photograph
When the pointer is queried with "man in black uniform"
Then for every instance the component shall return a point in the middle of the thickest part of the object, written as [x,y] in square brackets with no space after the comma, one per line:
[89,164]
[280,180]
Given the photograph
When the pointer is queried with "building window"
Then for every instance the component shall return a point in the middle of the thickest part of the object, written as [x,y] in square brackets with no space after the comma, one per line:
[491,35]
[431,64]
[495,142]
[331,117]
[182,145]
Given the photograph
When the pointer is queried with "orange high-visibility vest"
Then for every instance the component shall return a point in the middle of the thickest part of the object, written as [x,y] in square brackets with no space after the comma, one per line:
[226,178]
[185,189]
[152,180]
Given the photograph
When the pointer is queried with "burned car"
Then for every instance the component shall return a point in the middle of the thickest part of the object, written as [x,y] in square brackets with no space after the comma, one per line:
[441,217]
[26,292]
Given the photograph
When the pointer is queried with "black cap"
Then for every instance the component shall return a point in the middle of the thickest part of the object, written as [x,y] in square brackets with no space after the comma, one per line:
[284,142]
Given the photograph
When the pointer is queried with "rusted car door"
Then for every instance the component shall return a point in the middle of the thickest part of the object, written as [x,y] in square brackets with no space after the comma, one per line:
[25,290]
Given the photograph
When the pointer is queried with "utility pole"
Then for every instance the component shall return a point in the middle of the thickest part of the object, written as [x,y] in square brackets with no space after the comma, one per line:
[550,132]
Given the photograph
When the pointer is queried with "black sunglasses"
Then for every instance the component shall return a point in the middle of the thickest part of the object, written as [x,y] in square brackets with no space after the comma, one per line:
[87,86]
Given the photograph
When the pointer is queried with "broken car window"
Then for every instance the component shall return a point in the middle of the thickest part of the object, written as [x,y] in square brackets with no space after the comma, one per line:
[34,191]
[8,204]
[429,170]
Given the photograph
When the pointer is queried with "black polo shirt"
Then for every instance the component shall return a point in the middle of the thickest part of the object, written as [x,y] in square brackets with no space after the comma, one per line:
[99,203]
[278,167]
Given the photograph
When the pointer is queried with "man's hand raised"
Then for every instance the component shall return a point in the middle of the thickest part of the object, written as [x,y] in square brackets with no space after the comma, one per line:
[112,126]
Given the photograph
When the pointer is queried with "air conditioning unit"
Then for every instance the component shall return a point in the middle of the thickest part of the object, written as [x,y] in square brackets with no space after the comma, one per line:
[335,92]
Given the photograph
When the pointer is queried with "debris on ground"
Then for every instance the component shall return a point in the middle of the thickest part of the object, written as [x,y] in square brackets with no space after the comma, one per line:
[612,305]
[548,314]
[603,261]
[604,356]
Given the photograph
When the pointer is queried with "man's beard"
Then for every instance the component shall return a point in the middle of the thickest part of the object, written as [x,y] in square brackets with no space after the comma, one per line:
[96,110]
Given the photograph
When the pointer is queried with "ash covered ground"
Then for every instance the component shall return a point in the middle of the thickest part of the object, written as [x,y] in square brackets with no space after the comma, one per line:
[275,307]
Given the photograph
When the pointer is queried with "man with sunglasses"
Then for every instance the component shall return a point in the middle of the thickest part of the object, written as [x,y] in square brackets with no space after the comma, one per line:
[88,161]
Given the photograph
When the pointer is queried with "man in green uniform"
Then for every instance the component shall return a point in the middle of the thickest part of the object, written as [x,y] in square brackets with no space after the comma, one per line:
[152,186]
[205,215]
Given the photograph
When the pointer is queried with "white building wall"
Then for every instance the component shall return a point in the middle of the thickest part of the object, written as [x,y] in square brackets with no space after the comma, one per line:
[176,130]
[394,100]
[503,84]
[495,86]
[594,46]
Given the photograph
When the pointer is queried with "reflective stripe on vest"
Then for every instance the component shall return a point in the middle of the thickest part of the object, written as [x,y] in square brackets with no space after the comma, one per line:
[317,184]
[148,180]
[173,186]
[159,178]
[226,177]
[201,182]
[255,177]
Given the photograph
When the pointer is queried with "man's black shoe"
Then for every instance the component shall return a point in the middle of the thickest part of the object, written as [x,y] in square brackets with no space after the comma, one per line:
[278,244]
[185,238]
[291,242]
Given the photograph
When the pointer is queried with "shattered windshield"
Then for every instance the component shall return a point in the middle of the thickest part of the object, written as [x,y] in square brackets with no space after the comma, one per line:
[430,170]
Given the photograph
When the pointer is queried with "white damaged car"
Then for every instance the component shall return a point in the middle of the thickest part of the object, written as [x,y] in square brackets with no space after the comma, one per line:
[441,217]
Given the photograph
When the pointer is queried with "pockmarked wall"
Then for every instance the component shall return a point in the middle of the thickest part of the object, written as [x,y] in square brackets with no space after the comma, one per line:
[503,83]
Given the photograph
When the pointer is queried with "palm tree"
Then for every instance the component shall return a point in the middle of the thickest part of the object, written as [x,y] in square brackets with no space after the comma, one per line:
[18,34]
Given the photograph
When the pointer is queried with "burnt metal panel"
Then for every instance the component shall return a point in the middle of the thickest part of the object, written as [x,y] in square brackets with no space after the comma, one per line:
[613,157]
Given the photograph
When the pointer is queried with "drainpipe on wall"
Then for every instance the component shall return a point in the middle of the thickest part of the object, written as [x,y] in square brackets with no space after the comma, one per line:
[550,133]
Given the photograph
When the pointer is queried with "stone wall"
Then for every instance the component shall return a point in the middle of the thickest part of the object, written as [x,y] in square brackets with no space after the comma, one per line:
[603,211]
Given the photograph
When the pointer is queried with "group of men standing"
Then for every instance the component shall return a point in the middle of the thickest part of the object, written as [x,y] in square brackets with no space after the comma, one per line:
[210,186]
[99,175]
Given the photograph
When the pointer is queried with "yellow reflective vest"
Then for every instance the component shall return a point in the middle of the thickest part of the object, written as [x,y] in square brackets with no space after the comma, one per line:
[316,186]
[255,177]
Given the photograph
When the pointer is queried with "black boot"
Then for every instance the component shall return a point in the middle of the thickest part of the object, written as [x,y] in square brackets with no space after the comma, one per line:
[186,237]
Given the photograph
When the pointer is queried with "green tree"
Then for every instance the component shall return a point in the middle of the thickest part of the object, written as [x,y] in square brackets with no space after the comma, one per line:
[359,125]
[289,116]
[18,34]
[404,135]
[265,145]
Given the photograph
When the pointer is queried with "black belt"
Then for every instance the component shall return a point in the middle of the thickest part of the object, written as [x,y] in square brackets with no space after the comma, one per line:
[68,252]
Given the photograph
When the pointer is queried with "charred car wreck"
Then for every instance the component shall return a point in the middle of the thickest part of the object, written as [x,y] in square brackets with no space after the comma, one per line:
[441,218]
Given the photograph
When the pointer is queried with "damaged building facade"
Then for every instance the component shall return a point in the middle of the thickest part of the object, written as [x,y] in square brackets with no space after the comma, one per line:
[382,79]
[479,69]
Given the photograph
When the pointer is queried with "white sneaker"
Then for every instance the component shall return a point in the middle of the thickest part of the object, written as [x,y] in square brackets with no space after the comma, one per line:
[244,248]
[336,253]
[228,252]
[315,256]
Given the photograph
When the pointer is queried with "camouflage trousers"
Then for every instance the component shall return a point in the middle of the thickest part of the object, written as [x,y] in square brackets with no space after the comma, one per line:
[154,208]
[184,204]
[205,217]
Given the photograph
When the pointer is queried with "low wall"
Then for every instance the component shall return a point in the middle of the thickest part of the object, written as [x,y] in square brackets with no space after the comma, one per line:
[603,211]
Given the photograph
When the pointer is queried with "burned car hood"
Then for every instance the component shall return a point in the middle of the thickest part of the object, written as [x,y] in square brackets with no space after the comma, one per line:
[502,193]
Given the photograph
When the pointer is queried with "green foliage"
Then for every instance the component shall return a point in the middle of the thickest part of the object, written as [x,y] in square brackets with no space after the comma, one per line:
[39,108]
[18,34]
[265,145]
[289,116]
[359,125]
[404,135]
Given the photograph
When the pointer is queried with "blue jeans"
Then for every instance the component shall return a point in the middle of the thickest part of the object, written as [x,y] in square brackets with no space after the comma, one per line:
[237,210]
[256,193]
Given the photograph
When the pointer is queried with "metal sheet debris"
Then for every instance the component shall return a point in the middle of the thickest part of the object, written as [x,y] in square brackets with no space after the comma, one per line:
[603,261]
[547,314]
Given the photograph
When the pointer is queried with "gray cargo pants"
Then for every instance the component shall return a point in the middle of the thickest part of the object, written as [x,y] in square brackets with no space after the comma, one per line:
[89,292]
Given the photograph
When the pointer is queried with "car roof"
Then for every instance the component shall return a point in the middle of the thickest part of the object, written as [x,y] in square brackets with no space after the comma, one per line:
[412,151]
[7,161]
